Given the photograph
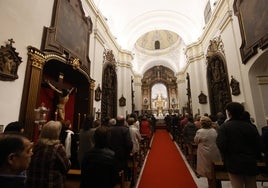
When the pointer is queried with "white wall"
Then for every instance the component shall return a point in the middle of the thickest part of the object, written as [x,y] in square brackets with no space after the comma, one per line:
[23,21]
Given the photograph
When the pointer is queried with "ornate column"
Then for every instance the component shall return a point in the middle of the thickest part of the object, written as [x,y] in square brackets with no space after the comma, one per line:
[33,76]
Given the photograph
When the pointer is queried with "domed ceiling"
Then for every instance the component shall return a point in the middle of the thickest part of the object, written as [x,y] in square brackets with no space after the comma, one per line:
[137,25]
[128,20]
[165,38]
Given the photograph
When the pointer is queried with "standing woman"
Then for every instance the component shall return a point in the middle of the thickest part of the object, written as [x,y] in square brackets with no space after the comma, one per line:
[207,150]
[49,164]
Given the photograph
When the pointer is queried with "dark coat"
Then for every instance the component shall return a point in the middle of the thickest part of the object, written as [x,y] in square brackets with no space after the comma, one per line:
[120,142]
[239,144]
[12,181]
[98,169]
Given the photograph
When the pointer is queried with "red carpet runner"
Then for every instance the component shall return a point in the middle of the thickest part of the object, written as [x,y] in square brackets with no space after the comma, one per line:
[165,167]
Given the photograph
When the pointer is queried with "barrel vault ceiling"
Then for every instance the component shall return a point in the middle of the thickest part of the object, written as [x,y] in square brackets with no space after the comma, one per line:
[137,24]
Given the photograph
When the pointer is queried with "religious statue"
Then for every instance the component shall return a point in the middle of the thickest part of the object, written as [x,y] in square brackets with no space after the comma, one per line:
[63,95]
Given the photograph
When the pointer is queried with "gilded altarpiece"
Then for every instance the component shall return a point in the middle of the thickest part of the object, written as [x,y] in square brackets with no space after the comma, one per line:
[164,75]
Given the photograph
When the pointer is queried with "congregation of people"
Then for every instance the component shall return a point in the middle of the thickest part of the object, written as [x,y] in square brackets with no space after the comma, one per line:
[103,150]
[232,138]
[105,147]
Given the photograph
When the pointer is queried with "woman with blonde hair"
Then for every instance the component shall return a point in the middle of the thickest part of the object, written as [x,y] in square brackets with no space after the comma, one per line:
[207,150]
[49,164]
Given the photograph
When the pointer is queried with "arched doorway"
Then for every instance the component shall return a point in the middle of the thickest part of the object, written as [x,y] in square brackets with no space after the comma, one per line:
[159,99]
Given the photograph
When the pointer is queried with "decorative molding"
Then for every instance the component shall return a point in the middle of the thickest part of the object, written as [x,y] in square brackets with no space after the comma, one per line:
[215,46]
[262,80]
[9,62]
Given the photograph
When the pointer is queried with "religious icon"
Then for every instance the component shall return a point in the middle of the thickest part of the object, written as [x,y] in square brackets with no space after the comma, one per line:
[234,84]
[98,93]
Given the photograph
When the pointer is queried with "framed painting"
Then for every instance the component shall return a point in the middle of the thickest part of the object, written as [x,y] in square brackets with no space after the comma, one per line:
[252,16]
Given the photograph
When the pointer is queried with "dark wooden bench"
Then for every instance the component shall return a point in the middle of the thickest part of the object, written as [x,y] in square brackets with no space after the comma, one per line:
[220,174]
[77,172]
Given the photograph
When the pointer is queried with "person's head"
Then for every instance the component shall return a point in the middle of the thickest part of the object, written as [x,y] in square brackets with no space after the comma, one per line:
[234,110]
[15,155]
[50,132]
[131,121]
[66,125]
[144,117]
[190,119]
[120,120]
[134,115]
[197,117]
[186,115]
[112,122]
[205,122]
[96,123]
[220,115]
[101,137]
[14,127]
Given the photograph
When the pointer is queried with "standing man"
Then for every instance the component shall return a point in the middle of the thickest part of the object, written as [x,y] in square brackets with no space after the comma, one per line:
[121,143]
[239,144]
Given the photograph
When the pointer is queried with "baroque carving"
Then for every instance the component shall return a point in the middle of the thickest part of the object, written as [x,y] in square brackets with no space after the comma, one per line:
[215,46]
[9,62]
[109,86]
[217,76]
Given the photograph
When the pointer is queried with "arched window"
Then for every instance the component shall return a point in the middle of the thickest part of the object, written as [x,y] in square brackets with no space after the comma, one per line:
[157,45]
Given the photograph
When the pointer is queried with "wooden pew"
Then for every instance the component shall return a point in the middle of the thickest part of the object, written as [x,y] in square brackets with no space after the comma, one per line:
[220,174]
[74,174]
